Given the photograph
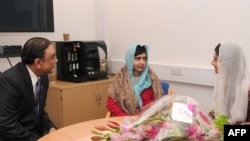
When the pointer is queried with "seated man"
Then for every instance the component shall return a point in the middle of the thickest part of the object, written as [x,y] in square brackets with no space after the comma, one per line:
[23,92]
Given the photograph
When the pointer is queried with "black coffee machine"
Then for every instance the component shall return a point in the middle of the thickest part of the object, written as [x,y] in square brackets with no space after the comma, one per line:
[80,61]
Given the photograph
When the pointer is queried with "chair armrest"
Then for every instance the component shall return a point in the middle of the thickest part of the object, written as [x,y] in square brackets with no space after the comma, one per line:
[171,91]
[108,114]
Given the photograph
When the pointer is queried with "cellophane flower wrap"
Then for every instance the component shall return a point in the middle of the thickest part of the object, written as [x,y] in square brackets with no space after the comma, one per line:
[173,117]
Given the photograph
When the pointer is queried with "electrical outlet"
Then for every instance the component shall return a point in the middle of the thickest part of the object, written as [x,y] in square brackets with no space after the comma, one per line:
[176,71]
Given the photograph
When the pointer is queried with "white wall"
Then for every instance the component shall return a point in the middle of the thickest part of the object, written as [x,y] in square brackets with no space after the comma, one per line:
[178,32]
[181,34]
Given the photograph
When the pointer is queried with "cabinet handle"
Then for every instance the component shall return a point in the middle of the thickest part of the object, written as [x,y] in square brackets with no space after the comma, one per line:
[97,97]
[100,96]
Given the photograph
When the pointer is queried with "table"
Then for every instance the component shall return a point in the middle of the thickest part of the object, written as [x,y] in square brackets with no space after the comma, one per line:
[79,131]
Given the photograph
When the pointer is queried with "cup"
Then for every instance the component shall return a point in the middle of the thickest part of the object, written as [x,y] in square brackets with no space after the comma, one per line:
[66,36]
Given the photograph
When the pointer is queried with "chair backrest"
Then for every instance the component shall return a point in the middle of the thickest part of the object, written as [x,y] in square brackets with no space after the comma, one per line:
[165,87]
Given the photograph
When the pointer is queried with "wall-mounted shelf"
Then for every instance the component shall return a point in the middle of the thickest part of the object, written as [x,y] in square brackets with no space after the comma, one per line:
[10,55]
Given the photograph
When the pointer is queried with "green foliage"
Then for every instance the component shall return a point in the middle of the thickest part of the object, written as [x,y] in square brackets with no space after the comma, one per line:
[220,121]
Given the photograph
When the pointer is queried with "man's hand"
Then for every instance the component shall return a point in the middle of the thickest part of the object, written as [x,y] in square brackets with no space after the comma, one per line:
[52,130]
[245,123]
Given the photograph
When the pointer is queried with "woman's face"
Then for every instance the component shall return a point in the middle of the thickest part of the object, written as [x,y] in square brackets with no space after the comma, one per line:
[140,62]
[215,62]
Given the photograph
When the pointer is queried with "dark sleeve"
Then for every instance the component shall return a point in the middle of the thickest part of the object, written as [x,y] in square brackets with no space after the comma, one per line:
[114,108]
[248,108]
[10,128]
[45,123]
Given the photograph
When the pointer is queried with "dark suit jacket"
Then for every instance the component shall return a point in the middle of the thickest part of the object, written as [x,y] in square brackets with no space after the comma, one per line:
[17,106]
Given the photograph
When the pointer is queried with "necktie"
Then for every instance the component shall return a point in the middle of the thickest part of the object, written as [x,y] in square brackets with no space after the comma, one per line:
[37,93]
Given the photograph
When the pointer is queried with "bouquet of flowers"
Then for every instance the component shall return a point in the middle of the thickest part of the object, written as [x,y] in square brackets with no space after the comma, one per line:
[171,118]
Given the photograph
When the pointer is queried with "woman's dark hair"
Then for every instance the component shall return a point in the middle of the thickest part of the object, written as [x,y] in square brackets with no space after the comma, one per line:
[217,49]
[34,48]
[140,49]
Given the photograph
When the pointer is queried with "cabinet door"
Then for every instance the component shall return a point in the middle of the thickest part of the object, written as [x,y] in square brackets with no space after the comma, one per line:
[79,104]
[54,106]
[102,104]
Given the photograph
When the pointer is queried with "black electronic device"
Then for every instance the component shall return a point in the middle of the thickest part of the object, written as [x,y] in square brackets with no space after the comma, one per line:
[80,61]
[10,50]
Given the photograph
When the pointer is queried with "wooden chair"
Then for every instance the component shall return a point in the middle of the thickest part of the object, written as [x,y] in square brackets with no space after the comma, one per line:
[166,90]
[171,91]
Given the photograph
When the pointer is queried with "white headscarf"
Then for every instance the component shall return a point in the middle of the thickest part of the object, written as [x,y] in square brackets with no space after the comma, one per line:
[232,84]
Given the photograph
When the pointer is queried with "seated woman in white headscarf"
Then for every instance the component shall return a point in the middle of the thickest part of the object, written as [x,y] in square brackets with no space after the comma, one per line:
[135,85]
[231,90]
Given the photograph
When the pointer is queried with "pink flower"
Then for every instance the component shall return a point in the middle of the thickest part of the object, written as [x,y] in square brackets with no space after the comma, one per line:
[113,125]
[125,125]
[115,137]
[131,136]
[101,128]
[152,133]
[204,117]
[96,138]
[165,124]
[140,131]
[191,107]
[193,132]
[128,131]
